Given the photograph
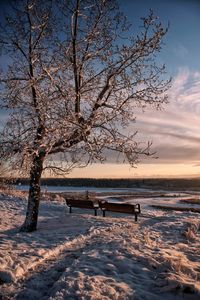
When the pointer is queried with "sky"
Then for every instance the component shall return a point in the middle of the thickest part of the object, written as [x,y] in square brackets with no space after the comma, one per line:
[174,130]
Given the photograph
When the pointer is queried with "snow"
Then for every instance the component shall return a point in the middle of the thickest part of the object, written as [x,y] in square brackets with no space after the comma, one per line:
[80,256]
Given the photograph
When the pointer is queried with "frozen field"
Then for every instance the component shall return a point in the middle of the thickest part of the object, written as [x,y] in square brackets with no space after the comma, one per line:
[80,256]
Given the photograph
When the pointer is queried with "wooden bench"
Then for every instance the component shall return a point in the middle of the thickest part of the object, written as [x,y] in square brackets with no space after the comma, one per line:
[121,208]
[88,204]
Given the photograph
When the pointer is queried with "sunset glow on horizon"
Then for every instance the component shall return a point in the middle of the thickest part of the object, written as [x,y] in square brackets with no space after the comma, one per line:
[151,170]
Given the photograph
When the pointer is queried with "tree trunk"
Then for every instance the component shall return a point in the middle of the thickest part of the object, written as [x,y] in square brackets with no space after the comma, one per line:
[30,223]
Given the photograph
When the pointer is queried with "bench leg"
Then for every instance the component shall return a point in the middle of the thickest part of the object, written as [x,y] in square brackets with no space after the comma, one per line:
[95,212]
[136,217]
[104,213]
[70,209]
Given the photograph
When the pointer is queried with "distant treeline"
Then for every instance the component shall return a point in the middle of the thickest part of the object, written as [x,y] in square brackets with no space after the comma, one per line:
[163,183]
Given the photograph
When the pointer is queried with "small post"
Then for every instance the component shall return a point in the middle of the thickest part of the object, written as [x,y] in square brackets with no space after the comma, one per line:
[104,212]
[87,195]
[95,212]
[70,209]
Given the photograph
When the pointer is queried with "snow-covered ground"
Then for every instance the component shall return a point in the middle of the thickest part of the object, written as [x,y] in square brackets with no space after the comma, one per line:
[80,256]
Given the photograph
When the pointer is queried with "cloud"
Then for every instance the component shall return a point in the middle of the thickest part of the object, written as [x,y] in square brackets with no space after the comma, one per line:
[196,165]
[185,92]
[175,130]
[177,153]
[162,132]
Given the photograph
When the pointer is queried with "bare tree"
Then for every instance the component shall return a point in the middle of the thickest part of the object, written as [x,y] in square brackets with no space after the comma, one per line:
[75,76]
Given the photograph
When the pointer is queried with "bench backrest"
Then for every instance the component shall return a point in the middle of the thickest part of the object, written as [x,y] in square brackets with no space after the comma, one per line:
[120,207]
[80,203]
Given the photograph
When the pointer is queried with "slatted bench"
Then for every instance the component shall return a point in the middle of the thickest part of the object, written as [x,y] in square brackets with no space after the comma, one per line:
[125,208]
[88,204]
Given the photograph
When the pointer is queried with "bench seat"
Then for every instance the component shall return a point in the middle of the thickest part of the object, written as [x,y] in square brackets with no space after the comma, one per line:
[125,208]
[87,204]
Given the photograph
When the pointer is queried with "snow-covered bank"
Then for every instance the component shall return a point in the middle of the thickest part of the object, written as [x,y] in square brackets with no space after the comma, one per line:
[80,256]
